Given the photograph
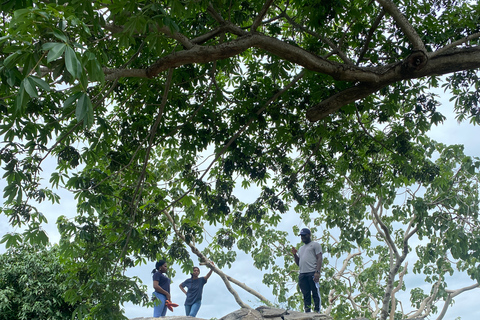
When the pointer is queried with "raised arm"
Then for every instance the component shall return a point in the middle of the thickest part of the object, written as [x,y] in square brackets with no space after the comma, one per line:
[295,256]
[209,272]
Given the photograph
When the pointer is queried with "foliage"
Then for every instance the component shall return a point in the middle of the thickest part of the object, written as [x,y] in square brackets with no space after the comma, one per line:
[156,111]
[32,283]
[425,222]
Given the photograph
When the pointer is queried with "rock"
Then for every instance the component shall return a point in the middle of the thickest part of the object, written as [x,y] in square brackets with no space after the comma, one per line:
[243,314]
[168,318]
[261,313]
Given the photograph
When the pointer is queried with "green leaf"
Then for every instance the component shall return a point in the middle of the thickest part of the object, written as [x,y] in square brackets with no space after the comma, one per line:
[71,62]
[11,240]
[40,83]
[20,100]
[55,51]
[84,110]
[11,60]
[30,88]
[60,35]
[70,100]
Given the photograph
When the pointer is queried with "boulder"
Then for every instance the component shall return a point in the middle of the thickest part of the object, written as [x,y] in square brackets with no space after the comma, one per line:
[261,313]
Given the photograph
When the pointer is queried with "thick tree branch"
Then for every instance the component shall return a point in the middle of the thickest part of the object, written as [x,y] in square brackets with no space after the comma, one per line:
[451,61]
[366,80]
[403,23]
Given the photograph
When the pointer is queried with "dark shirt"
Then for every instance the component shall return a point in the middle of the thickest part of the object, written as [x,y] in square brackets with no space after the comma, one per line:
[195,290]
[163,281]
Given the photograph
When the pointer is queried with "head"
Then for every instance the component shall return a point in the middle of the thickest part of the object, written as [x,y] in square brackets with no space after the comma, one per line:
[160,266]
[305,235]
[196,272]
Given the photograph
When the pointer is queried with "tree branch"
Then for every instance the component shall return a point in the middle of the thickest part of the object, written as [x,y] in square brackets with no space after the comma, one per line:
[204,259]
[403,23]
[451,295]
[426,303]
[456,44]
[368,79]
[261,14]
[396,289]
[374,27]
[335,48]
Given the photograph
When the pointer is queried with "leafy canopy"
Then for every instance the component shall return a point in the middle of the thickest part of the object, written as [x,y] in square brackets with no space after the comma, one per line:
[156,111]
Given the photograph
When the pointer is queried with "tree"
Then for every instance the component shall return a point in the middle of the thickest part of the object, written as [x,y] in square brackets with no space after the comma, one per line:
[439,212]
[32,285]
[132,97]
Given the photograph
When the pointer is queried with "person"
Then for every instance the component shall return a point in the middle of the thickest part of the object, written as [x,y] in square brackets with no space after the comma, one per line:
[309,259]
[161,284]
[194,286]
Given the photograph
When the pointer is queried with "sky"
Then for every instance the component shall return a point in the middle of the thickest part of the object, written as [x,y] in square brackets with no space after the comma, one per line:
[217,300]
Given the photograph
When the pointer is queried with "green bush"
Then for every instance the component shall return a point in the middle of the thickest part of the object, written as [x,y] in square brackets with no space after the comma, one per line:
[31,285]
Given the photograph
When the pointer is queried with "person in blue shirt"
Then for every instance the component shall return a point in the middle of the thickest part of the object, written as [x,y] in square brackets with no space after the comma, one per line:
[161,284]
[194,286]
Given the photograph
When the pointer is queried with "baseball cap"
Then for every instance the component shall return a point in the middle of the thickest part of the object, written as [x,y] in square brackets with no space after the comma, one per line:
[304,231]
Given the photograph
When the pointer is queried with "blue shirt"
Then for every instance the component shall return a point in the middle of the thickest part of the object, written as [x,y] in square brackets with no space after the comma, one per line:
[195,289]
[163,281]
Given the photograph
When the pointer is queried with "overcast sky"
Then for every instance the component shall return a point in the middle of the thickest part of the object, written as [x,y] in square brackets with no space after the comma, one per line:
[217,301]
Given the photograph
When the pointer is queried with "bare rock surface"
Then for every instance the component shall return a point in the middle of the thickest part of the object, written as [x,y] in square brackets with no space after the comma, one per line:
[261,313]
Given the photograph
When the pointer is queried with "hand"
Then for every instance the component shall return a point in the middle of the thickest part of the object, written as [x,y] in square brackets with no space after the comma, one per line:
[316,277]
[294,251]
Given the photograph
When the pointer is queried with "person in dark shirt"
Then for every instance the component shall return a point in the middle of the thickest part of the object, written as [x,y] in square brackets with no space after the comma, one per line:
[194,285]
[161,284]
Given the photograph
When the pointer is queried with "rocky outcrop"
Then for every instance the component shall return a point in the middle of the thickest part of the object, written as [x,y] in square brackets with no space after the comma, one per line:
[261,313]
[267,313]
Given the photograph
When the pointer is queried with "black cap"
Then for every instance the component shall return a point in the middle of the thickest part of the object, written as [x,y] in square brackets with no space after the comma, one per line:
[304,231]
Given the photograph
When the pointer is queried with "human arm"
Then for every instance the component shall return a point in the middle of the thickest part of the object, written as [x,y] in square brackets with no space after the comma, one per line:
[318,269]
[209,272]
[159,289]
[295,256]
[182,288]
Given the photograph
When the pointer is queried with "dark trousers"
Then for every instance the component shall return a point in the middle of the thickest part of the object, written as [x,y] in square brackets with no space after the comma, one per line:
[309,290]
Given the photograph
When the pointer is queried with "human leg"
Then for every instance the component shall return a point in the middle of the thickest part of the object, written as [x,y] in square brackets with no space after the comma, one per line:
[187,310]
[159,308]
[317,299]
[304,284]
[195,308]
